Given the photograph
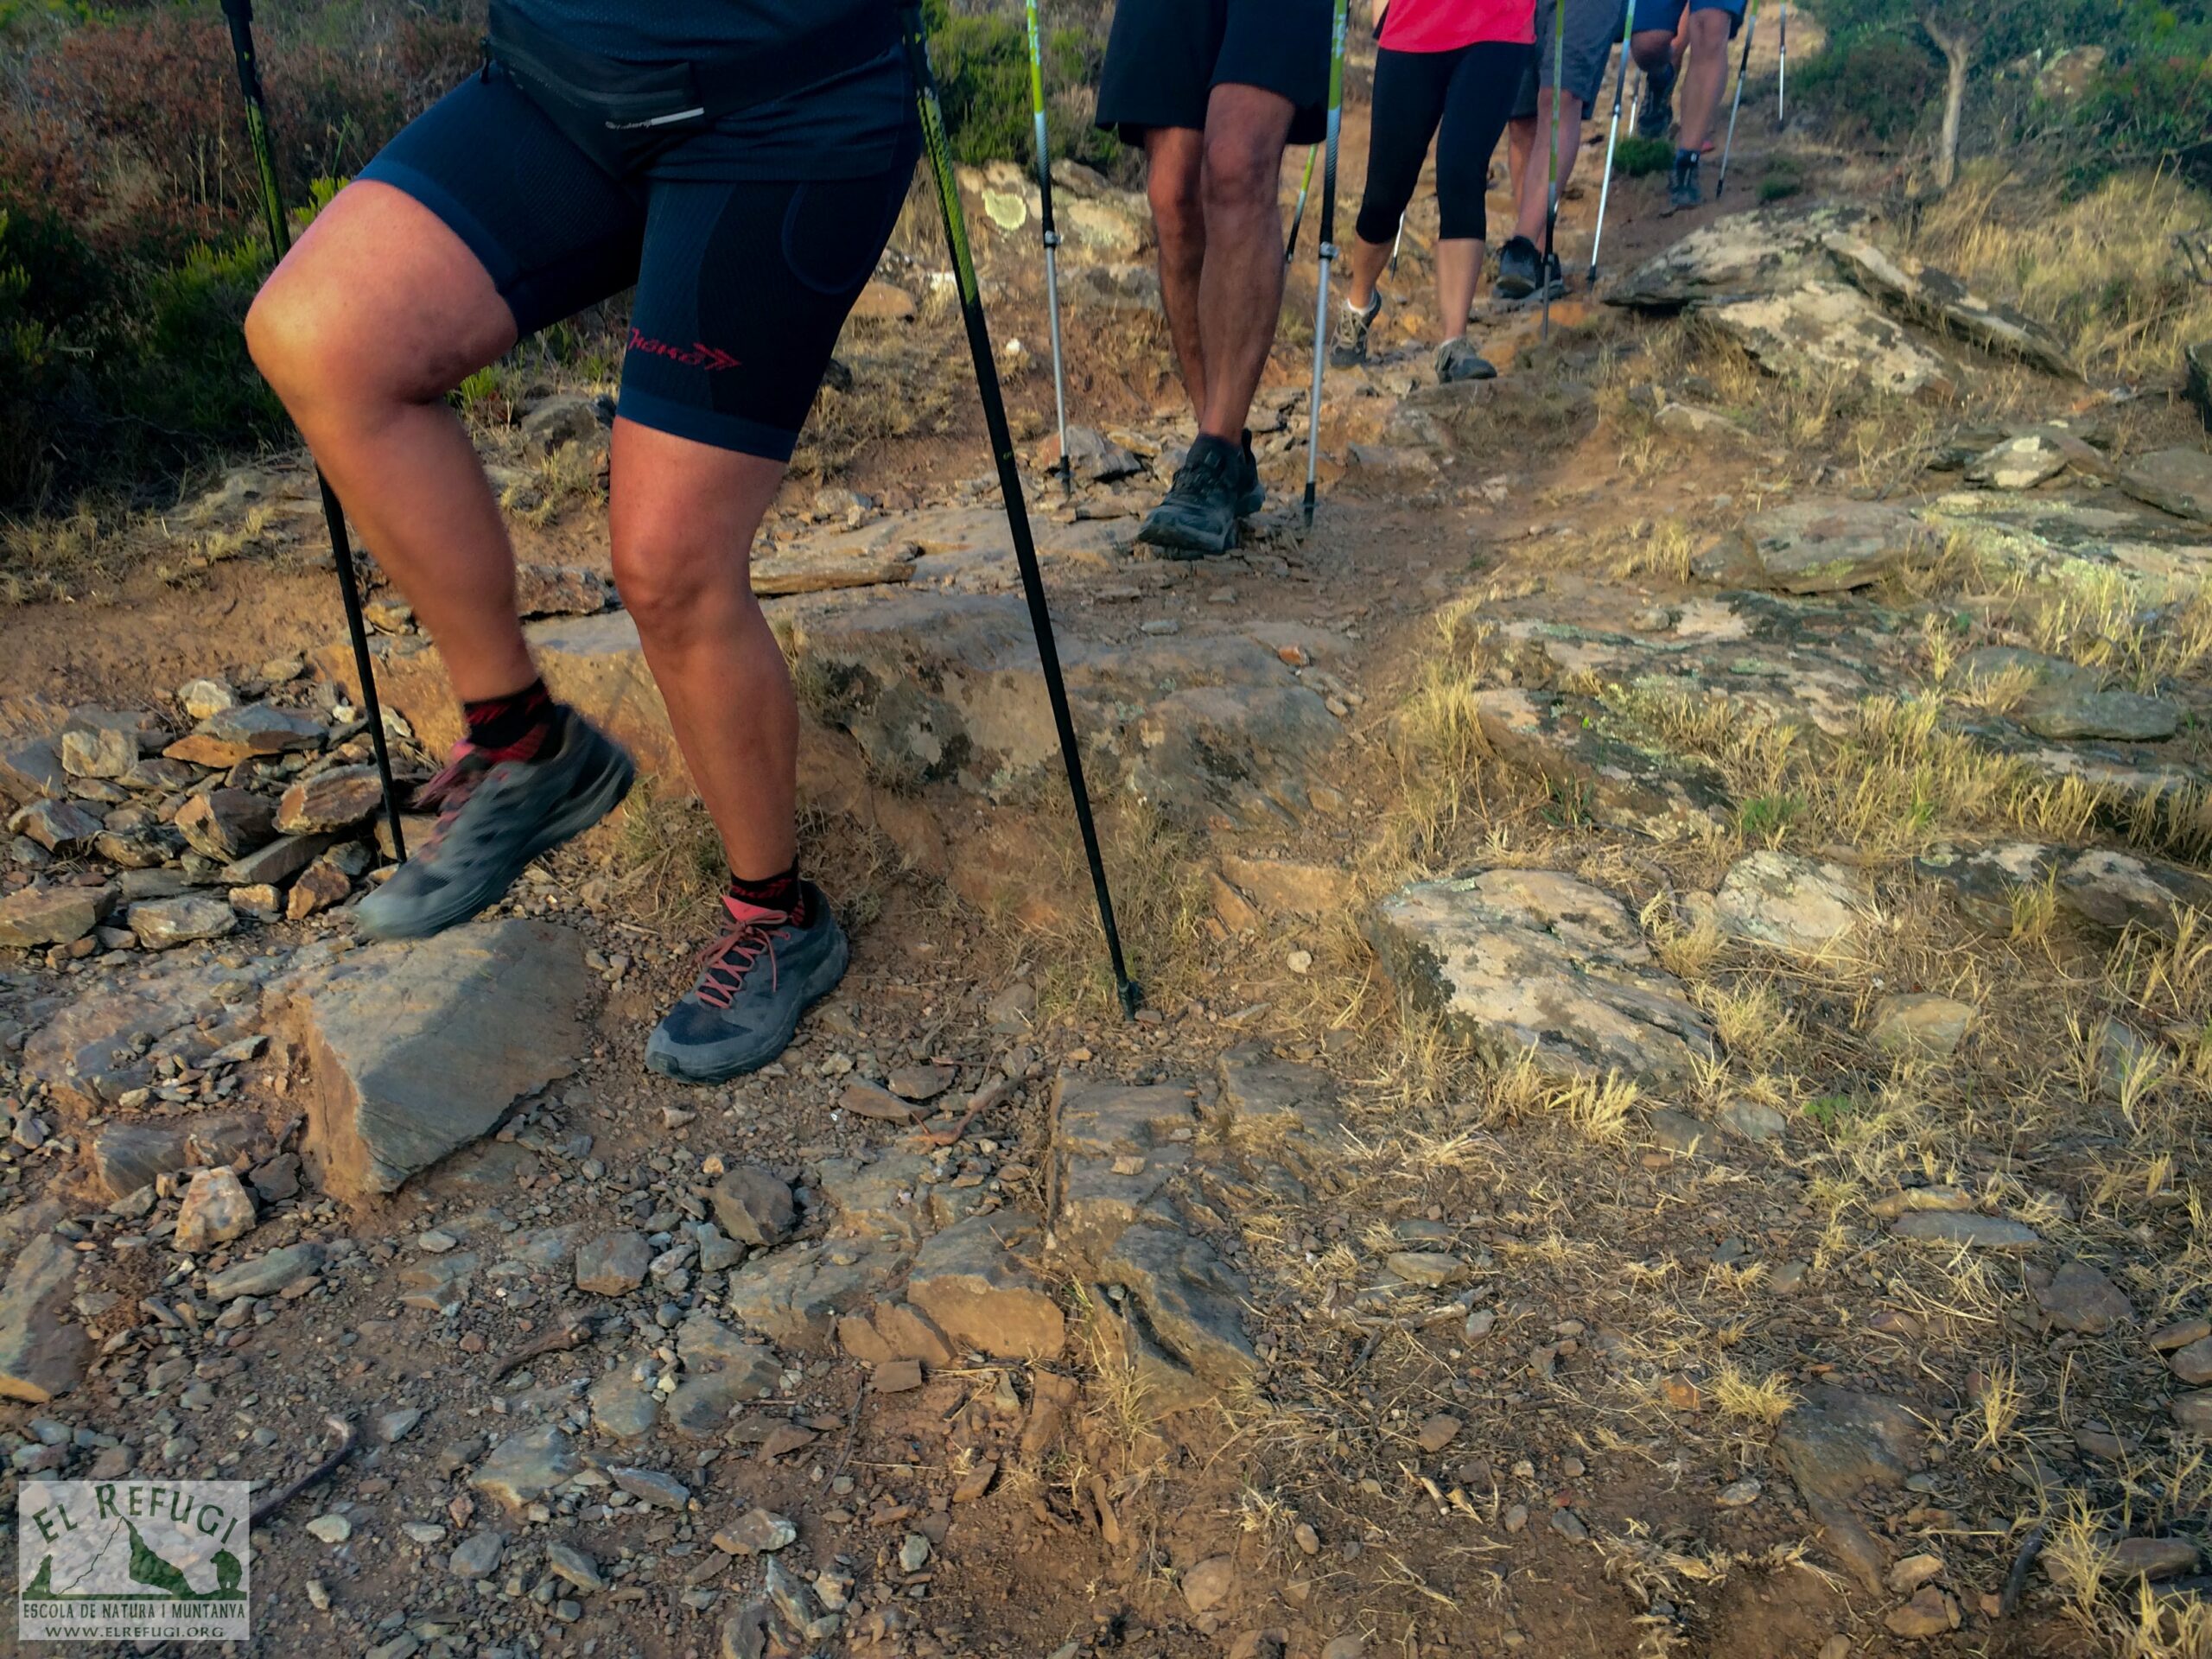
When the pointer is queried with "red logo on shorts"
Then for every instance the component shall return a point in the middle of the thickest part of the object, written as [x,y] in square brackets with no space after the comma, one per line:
[699,356]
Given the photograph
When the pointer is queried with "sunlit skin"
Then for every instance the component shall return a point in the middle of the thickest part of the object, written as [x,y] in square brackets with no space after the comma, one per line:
[1700,46]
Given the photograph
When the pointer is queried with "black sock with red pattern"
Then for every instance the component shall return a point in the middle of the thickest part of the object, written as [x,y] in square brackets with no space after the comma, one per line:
[513,728]
[784,892]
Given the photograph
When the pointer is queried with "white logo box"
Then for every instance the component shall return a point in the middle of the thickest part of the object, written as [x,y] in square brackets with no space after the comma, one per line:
[133,1561]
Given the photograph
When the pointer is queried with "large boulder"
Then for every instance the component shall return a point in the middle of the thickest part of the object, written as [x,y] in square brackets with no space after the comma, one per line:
[40,1354]
[1820,332]
[413,1050]
[2178,481]
[1766,252]
[1536,963]
[1936,298]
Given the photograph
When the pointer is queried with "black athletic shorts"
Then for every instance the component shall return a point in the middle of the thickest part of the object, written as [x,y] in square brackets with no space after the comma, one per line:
[1165,57]
[742,285]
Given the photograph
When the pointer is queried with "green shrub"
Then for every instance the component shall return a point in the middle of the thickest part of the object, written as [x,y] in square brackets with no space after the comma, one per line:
[1635,157]
[982,72]
[1873,87]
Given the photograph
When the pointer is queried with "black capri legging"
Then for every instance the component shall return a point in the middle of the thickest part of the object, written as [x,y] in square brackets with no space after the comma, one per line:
[1462,99]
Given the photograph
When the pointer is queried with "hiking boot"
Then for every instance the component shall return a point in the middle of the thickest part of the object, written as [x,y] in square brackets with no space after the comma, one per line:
[1518,266]
[754,983]
[1350,350]
[1251,494]
[1457,360]
[1684,189]
[1199,515]
[1657,114]
[495,817]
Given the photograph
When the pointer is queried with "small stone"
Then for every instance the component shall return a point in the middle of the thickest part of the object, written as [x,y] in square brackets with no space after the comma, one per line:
[58,826]
[226,823]
[2080,1299]
[897,1375]
[322,884]
[205,699]
[331,1529]
[435,1242]
[2192,1413]
[35,916]
[614,1265]
[160,924]
[920,1083]
[1440,1432]
[216,1209]
[398,1425]
[866,1100]
[913,1552]
[338,798]
[2193,1364]
[570,1564]
[1909,1574]
[2152,1558]
[1738,1494]
[1930,1612]
[1348,1646]
[1425,1267]
[240,733]
[1923,1025]
[266,1275]
[1568,1524]
[650,1486]
[1974,1231]
[754,1206]
[2180,1334]
[1207,1584]
[101,752]
[757,1532]
[477,1556]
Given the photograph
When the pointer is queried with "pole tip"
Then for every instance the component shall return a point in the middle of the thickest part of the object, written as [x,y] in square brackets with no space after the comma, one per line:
[1132,995]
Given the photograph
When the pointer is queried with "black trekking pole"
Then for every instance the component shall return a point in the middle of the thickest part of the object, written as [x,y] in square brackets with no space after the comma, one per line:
[1328,255]
[1066,468]
[1017,509]
[1298,214]
[240,16]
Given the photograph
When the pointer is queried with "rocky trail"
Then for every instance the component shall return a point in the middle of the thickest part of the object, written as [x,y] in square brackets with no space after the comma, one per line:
[1668,1117]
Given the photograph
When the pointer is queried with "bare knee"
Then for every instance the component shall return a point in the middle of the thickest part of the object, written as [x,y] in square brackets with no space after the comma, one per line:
[1654,49]
[1241,172]
[673,583]
[1177,210]
[304,338]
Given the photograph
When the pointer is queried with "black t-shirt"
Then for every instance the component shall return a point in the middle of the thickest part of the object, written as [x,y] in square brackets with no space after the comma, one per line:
[850,125]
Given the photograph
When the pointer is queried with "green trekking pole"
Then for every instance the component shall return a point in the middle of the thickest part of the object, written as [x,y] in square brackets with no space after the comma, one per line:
[239,13]
[1066,468]
[1551,159]
[1612,137]
[1328,257]
[1742,68]
[1298,214]
[939,150]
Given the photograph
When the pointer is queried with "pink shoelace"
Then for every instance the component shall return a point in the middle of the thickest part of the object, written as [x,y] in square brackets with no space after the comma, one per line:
[449,792]
[725,964]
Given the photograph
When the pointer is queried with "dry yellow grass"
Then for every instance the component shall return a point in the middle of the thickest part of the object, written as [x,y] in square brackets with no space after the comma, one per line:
[2100,270]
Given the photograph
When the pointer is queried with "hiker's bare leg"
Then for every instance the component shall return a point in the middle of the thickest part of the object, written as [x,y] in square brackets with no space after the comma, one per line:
[1240,291]
[682,517]
[1653,49]
[1458,268]
[1174,159]
[1702,79]
[1531,186]
[375,315]
[1366,262]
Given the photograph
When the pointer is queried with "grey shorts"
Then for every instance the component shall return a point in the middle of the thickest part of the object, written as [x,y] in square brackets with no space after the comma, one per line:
[1593,28]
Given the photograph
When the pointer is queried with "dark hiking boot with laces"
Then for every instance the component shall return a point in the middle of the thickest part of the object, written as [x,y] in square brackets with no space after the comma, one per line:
[1199,515]
[1657,114]
[1251,494]
[754,983]
[1520,265]
[493,818]
[1684,188]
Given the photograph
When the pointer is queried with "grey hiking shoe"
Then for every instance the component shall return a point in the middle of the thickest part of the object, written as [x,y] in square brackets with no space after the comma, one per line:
[754,983]
[494,818]
[1457,360]
[1684,188]
[1199,515]
[1657,114]
[1350,349]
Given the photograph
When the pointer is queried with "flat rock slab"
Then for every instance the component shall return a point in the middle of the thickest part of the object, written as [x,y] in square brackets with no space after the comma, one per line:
[1784,902]
[1966,1231]
[1535,963]
[35,916]
[1821,331]
[84,1052]
[1936,296]
[1835,1446]
[414,1050]
[1742,255]
[1816,546]
[1599,764]
[1117,1149]
[2178,481]
[973,1282]
[2101,886]
[42,1356]
[2062,538]
[1190,1301]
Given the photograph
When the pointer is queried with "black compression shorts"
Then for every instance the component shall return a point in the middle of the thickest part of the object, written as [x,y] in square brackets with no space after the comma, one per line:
[742,285]
[1165,57]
